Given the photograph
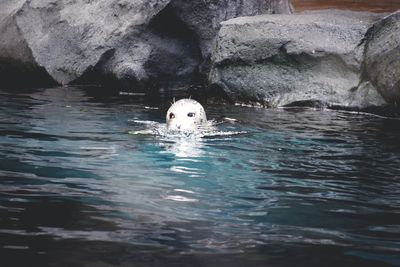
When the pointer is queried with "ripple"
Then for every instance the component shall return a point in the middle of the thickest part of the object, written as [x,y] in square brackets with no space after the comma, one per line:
[77,169]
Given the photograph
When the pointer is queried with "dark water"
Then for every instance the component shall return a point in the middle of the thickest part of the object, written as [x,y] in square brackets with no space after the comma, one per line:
[301,188]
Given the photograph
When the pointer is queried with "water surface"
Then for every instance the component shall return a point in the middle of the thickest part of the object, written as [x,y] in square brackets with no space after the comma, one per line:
[298,187]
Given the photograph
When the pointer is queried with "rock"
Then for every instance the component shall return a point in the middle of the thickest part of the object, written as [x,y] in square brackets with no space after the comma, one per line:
[382,57]
[130,44]
[204,17]
[70,38]
[16,58]
[277,60]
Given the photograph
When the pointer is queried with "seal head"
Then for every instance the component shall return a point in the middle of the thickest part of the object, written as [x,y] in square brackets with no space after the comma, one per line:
[186,115]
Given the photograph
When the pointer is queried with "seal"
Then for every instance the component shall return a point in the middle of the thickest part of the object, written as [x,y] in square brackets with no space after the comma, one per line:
[186,115]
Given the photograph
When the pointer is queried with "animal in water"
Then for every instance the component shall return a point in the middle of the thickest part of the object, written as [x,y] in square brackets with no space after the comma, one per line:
[186,115]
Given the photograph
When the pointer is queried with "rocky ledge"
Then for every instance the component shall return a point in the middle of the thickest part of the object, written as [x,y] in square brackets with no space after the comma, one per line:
[129,44]
[382,57]
[338,58]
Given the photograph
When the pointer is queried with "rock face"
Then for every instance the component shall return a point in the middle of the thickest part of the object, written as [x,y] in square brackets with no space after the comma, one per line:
[382,57]
[204,17]
[16,58]
[282,59]
[129,43]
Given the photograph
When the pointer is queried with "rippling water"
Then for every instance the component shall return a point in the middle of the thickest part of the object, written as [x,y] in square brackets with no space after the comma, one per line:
[298,187]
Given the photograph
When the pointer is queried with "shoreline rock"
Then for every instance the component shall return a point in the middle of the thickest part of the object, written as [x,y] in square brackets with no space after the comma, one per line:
[382,57]
[278,60]
[16,57]
[128,44]
[339,58]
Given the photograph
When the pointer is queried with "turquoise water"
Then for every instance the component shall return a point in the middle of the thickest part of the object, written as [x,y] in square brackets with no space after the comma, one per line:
[283,187]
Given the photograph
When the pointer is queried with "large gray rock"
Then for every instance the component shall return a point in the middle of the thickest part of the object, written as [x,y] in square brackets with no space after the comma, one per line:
[16,58]
[277,60]
[12,43]
[204,17]
[69,38]
[131,43]
[382,57]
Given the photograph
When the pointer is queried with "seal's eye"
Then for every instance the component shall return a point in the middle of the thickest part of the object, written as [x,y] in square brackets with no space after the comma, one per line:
[171,116]
[190,114]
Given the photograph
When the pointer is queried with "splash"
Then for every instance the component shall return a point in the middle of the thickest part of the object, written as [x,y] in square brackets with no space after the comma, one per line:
[184,145]
[161,130]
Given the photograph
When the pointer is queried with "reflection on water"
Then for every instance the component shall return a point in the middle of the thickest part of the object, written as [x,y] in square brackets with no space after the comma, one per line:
[296,187]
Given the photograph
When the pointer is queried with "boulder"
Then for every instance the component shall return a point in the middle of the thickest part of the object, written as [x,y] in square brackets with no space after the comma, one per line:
[69,38]
[128,43]
[17,64]
[204,17]
[277,60]
[382,57]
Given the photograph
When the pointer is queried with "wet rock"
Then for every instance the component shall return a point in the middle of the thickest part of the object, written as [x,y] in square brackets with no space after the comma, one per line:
[16,59]
[204,17]
[277,60]
[70,39]
[382,57]
[130,44]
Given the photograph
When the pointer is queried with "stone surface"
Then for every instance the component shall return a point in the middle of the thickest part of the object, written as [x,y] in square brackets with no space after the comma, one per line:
[69,38]
[128,43]
[382,57]
[277,60]
[17,64]
[204,17]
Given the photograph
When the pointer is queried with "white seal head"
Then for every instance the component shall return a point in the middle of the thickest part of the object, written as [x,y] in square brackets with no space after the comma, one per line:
[186,115]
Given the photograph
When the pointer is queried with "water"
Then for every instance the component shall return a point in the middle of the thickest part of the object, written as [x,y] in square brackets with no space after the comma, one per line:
[295,187]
